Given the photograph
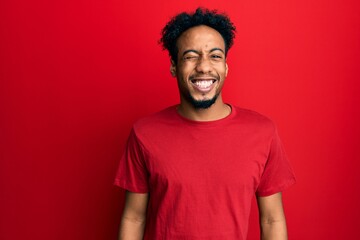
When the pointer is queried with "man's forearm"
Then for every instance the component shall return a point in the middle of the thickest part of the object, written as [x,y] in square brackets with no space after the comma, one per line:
[131,229]
[273,230]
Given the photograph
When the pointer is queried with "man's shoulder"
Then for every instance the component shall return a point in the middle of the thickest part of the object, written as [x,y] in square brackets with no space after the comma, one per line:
[249,117]
[165,116]
[248,114]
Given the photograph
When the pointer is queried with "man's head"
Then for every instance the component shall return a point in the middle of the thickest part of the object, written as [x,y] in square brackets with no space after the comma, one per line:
[183,21]
[198,44]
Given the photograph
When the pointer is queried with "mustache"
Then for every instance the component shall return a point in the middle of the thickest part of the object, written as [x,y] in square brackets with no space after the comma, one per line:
[194,76]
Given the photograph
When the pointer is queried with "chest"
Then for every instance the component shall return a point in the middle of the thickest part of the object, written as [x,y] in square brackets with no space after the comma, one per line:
[205,160]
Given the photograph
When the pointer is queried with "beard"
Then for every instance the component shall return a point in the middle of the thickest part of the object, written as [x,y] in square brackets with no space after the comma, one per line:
[202,104]
[198,104]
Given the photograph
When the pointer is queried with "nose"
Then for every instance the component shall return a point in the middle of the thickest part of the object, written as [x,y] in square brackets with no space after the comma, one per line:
[203,65]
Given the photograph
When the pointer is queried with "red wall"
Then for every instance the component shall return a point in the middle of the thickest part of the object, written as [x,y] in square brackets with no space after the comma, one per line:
[74,75]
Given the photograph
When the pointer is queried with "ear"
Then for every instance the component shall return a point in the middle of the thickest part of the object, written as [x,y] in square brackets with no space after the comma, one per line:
[226,69]
[173,69]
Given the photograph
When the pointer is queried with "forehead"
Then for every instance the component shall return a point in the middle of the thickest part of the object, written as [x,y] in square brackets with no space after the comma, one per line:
[200,38]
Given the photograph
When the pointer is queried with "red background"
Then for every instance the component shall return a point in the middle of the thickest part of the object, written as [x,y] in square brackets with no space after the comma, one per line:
[76,74]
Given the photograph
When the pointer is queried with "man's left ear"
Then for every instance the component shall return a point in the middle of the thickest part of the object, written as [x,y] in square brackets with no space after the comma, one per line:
[173,69]
[226,70]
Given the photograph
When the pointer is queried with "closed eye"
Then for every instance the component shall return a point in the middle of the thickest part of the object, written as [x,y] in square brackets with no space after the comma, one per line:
[191,57]
[216,57]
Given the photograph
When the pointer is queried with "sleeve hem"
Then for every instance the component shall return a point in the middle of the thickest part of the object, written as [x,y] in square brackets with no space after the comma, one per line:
[276,190]
[130,188]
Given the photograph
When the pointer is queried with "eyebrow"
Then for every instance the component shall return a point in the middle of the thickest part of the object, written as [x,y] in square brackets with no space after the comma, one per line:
[197,52]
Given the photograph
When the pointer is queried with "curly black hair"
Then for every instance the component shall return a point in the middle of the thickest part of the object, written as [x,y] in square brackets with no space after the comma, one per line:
[183,21]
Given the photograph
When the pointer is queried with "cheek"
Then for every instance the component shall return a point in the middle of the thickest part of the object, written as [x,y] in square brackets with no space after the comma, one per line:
[185,72]
[222,71]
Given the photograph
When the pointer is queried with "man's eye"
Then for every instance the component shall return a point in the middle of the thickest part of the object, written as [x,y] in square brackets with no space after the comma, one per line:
[191,57]
[216,56]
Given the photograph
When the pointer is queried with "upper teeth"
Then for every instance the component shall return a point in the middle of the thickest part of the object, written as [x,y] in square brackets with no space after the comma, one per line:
[204,83]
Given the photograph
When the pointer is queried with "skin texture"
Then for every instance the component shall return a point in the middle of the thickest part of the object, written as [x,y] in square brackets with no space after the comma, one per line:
[272,217]
[134,216]
[201,56]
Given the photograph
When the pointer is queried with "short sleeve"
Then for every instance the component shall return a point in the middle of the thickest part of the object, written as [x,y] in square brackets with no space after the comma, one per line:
[278,173]
[132,173]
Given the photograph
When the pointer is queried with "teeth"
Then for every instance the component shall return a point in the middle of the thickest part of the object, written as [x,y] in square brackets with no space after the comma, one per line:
[204,84]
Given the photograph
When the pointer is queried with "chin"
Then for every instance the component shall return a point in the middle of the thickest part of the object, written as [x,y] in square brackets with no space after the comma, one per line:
[203,103]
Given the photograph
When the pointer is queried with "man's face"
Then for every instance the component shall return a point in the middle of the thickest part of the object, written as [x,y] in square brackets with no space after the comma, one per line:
[201,66]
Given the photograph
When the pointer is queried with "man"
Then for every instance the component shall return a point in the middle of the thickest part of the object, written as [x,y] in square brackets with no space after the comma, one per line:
[191,170]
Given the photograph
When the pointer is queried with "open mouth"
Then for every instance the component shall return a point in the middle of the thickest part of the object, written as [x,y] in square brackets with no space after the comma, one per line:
[203,85]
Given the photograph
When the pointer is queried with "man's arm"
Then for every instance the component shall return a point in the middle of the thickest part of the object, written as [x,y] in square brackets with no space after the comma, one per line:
[134,216]
[272,218]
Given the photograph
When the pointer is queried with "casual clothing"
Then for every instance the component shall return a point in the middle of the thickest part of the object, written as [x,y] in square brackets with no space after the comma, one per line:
[201,176]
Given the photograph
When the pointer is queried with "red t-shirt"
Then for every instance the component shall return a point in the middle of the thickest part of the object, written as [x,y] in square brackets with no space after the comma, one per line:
[201,176]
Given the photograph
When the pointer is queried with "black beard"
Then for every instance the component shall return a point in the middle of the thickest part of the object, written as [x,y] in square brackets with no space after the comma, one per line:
[202,104]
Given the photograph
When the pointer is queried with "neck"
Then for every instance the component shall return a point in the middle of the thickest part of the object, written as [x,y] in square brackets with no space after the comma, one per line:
[216,111]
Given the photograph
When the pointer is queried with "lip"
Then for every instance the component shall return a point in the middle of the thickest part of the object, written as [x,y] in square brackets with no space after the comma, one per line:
[202,78]
[203,88]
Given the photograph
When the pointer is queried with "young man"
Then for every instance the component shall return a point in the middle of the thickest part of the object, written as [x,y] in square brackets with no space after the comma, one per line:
[191,170]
